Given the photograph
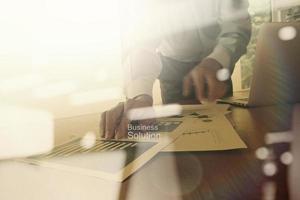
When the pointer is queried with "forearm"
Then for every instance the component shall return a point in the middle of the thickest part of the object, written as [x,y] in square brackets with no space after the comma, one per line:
[235,33]
[142,67]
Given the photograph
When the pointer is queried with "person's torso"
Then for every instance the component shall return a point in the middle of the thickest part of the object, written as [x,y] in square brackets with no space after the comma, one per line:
[190,29]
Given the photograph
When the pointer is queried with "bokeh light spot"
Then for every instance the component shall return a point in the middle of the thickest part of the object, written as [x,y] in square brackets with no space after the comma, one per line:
[262,153]
[88,140]
[287,33]
[269,169]
[223,74]
[286,158]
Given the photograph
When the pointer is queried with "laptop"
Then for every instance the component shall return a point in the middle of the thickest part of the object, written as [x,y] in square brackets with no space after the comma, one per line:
[109,159]
[276,71]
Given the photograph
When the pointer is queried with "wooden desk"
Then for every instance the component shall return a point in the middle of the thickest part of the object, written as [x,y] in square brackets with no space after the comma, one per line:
[220,175]
[235,174]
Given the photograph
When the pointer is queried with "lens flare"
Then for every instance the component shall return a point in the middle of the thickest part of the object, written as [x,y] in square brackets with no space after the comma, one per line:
[154,112]
[18,83]
[25,132]
[94,96]
[55,89]
[279,137]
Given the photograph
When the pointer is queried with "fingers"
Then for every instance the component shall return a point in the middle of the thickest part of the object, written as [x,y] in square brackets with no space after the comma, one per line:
[114,123]
[199,77]
[216,89]
[112,120]
[187,84]
[122,130]
[102,124]
[212,89]
[199,82]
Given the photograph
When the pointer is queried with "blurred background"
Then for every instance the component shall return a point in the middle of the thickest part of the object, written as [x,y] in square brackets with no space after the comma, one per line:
[60,55]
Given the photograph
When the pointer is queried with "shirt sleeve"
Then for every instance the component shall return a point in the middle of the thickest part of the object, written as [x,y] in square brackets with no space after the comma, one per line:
[235,34]
[142,66]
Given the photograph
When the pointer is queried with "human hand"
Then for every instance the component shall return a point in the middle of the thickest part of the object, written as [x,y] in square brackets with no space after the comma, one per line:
[114,122]
[205,74]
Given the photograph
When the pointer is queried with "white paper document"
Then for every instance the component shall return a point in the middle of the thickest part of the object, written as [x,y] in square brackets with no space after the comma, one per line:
[205,129]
